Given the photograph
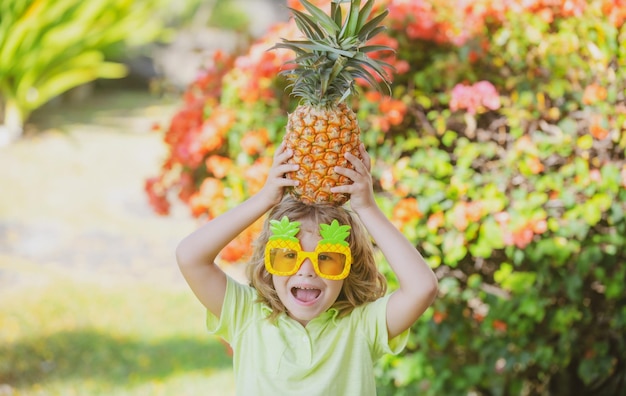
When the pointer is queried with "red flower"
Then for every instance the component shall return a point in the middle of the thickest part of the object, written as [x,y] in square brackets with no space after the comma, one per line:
[187,186]
[157,196]
[499,325]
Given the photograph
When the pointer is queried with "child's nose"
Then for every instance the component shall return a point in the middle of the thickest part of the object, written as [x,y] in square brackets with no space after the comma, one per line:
[306,269]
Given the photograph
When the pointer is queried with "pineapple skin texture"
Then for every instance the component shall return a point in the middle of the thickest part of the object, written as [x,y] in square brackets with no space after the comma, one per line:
[319,137]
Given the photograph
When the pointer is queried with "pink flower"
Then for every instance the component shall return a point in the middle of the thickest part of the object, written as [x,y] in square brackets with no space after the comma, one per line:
[488,95]
[482,95]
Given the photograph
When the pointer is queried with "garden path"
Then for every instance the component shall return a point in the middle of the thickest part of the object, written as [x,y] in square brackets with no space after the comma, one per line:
[72,202]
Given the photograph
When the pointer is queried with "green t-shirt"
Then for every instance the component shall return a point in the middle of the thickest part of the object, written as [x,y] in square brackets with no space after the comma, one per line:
[330,356]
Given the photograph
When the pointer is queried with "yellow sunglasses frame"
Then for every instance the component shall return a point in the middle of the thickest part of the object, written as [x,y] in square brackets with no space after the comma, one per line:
[313,256]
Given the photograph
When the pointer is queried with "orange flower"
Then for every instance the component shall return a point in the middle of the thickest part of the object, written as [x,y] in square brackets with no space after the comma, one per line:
[523,236]
[466,212]
[594,93]
[435,220]
[257,174]
[210,138]
[211,188]
[499,325]
[596,129]
[197,205]
[439,316]
[235,250]
[460,218]
[394,110]
[474,56]
[373,96]
[402,190]
[219,166]
[502,218]
[535,165]
[187,186]
[387,180]
[474,210]
[478,317]
[546,14]
[209,199]
[223,119]
[524,144]
[254,142]
[240,248]
[539,226]
[405,211]
[595,176]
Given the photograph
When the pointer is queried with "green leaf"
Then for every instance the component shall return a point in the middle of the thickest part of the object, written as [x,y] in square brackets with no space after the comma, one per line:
[503,272]
[599,367]
[585,142]
[48,47]
[350,25]
[320,16]
[490,231]
[454,248]
[284,229]
[334,233]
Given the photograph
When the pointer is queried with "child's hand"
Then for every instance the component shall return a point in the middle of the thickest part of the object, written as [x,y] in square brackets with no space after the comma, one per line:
[274,187]
[361,190]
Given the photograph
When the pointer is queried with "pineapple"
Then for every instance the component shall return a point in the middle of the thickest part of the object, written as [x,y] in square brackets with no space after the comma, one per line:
[332,242]
[323,127]
[285,231]
[334,234]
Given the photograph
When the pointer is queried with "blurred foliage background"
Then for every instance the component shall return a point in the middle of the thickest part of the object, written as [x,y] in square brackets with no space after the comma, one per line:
[91,301]
[500,154]
[49,47]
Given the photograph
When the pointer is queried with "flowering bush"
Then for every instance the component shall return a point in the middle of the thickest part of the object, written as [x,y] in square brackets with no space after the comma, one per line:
[500,154]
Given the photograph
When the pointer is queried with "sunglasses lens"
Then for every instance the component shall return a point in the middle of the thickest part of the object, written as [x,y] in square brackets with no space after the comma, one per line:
[283,260]
[331,263]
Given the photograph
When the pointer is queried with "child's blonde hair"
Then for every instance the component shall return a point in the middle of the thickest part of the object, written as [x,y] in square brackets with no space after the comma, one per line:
[364,283]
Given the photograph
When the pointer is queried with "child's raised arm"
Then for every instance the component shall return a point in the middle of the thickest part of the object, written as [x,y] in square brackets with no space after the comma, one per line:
[418,283]
[197,252]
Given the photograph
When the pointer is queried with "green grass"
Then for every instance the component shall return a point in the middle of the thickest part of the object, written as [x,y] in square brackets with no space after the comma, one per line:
[78,338]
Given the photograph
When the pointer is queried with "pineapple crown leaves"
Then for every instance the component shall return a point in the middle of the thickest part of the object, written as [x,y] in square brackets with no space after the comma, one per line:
[334,233]
[284,229]
[334,53]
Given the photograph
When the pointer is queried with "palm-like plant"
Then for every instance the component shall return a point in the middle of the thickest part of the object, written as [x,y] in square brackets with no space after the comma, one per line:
[48,47]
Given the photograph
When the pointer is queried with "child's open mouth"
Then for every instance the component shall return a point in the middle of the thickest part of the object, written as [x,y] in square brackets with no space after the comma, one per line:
[305,294]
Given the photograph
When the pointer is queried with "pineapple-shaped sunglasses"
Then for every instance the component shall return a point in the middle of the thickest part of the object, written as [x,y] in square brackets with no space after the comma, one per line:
[331,258]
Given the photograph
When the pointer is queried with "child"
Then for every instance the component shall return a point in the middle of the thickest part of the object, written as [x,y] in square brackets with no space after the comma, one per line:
[315,317]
